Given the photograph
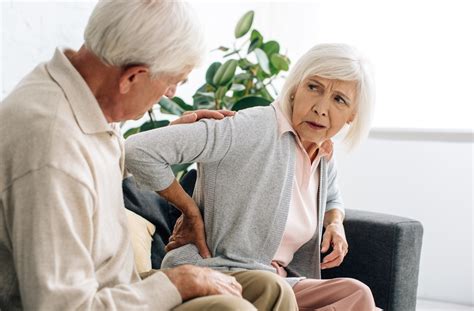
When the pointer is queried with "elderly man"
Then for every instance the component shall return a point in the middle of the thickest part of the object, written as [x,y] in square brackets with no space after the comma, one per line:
[64,243]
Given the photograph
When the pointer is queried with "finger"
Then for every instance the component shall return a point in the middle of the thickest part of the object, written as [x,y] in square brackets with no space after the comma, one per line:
[185,118]
[227,113]
[209,114]
[332,256]
[203,249]
[172,245]
[331,264]
[326,242]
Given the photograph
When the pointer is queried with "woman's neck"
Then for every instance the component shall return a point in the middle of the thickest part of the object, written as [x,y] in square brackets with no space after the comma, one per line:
[311,149]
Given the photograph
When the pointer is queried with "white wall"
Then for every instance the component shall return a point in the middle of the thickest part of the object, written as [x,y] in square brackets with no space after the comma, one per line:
[427,180]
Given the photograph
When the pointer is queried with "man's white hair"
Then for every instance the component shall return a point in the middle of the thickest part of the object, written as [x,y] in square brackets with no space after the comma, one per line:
[340,62]
[162,34]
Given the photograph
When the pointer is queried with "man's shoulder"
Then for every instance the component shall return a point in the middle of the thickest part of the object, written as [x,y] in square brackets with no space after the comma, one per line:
[38,127]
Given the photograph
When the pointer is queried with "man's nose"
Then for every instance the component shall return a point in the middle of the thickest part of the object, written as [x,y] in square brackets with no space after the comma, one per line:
[170,92]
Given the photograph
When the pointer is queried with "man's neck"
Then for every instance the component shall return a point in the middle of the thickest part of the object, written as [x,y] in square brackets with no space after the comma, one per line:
[101,79]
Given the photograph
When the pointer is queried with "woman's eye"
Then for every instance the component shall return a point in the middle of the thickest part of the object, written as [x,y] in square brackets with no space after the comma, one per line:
[340,100]
[312,87]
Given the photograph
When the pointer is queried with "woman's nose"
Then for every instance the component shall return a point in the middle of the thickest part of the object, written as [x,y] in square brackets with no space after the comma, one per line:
[321,107]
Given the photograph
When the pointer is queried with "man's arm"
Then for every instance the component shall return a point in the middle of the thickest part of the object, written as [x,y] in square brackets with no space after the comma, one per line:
[50,225]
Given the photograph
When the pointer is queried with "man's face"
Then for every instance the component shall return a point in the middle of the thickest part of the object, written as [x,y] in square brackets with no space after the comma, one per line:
[147,91]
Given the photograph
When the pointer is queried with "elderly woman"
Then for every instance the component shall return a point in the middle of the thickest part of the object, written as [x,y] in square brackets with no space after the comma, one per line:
[266,182]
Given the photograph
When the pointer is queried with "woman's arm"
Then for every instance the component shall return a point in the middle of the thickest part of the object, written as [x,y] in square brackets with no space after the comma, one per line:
[189,227]
[149,156]
[333,223]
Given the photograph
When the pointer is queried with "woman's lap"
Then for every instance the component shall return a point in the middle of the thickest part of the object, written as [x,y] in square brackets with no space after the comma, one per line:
[333,294]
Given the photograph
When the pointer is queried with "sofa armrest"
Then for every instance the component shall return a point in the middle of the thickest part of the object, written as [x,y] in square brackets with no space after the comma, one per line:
[384,253]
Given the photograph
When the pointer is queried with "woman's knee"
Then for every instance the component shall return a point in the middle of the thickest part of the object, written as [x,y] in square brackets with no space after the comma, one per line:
[360,289]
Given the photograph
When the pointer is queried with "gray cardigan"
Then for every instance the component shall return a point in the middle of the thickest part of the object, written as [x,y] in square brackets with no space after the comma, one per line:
[244,185]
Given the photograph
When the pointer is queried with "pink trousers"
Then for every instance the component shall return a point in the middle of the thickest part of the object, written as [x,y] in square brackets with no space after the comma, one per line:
[341,294]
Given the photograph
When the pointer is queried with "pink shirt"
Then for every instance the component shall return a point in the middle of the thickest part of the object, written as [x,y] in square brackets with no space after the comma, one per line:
[302,214]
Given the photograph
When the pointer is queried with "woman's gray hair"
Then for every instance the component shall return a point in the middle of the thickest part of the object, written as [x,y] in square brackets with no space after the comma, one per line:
[162,34]
[340,62]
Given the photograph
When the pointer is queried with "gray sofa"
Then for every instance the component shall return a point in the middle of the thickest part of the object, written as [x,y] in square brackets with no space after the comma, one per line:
[384,253]
[384,250]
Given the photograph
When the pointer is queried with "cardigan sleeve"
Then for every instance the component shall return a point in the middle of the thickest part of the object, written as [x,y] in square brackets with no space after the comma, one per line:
[149,155]
[334,197]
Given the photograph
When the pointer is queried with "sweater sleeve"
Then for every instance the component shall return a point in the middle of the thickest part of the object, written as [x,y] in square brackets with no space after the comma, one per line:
[149,155]
[334,197]
[51,227]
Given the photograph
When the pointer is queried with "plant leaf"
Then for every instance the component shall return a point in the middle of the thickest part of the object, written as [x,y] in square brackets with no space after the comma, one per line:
[270,48]
[225,73]
[237,87]
[262,60]
[244,24]
[131,132]
[180,102]
[256,40]
[280,62]
[242,76]
[250,101]
[211,71]
[220,93]
[245,64]
[170,106]
[150,125]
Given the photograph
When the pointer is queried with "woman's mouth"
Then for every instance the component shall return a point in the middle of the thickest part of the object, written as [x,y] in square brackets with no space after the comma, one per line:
[315,125]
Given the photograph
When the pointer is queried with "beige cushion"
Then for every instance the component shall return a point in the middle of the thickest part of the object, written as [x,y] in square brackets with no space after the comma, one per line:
[141,232]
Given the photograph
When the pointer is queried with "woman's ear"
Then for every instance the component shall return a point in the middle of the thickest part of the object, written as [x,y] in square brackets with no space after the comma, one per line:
[352,117]
[132,75]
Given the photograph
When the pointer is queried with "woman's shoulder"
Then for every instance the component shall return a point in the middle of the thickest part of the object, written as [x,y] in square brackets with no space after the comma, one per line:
[256,119]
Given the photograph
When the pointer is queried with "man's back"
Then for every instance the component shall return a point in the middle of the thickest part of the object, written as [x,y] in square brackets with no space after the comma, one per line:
[61,208]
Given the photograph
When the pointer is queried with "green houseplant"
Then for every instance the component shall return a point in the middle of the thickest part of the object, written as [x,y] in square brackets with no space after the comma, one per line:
[242,80]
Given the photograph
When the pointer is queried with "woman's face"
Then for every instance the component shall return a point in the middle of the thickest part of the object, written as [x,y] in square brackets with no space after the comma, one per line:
[321,107]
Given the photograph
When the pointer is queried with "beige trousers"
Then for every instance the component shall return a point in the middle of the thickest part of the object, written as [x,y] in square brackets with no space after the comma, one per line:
[262,290]
[343,294]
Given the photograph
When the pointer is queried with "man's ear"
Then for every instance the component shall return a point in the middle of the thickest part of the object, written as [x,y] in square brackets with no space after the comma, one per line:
[131,75]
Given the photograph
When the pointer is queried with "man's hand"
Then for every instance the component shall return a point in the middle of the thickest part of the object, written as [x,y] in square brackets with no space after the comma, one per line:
[193,116]
[192,282]
[334,236]
[189,229]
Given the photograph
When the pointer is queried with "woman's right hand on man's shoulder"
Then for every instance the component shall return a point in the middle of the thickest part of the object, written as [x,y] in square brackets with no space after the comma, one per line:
[192,281]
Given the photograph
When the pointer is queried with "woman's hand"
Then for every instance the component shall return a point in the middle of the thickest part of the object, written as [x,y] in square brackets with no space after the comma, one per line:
[334,236]
[193,116]
[189,229]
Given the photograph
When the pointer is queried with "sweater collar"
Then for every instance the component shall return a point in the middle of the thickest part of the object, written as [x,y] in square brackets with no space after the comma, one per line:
[84,105]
